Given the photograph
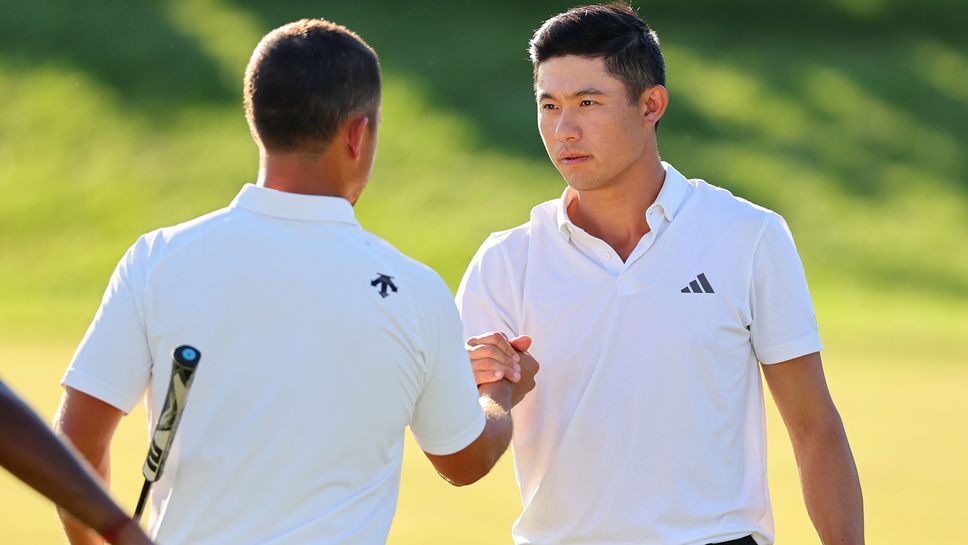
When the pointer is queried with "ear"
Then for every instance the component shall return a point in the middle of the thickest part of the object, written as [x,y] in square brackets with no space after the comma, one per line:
[652,104]
[355,134]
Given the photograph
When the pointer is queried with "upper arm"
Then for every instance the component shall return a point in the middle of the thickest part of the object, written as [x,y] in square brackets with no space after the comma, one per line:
[113,361]
[486,297]
[447,416]
[800,392]
[111,367]
[89,424]
[783,324]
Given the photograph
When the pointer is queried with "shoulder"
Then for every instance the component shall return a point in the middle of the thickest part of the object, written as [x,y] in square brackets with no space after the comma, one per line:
[499,250]
[512,241]
[720,206]
[512,244]
[425,280]
[155,245]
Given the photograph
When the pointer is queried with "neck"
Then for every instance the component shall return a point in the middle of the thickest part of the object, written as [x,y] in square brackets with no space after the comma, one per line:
[306,174]
[616,213]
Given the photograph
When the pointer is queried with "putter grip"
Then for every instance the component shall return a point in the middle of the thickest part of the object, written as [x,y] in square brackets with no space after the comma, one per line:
[183,365]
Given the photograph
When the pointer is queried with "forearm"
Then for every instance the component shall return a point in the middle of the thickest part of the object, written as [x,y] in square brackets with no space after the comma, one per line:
[496,403]
[76,526]
[49,466]
[78,532]
[831,486]
[475,460]
[88,425]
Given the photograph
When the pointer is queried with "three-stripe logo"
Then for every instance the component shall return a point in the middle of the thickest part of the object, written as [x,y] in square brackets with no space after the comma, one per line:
[699,285]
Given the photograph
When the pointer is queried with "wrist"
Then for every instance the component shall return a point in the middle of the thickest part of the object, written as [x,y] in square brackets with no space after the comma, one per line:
[500,392]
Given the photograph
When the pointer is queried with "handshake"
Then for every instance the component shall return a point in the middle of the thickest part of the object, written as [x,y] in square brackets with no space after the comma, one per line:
[495,358]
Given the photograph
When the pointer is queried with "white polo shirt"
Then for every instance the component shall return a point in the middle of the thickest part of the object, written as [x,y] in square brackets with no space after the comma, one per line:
[647,423]
[311,368]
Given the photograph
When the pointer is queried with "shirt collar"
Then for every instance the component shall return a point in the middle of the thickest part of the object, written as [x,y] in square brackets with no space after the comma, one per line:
[669,200]
[673,192]
[294,206]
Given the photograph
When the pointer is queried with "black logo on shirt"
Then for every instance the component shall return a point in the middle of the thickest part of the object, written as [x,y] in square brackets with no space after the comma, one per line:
[699,285]
[385,283]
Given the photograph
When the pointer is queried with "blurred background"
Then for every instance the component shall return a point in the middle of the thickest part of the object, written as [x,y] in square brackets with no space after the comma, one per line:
[846,116]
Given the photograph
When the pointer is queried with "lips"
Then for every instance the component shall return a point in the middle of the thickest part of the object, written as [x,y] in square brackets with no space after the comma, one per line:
[573,158]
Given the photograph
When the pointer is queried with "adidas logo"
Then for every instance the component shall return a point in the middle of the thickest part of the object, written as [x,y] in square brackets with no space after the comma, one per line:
[699,285]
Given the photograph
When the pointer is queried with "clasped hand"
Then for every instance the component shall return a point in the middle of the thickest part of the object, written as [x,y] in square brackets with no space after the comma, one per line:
[495,357]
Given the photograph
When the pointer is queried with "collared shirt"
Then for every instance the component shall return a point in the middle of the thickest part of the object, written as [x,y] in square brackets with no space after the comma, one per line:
[320,343]
[658,215]
[647,423]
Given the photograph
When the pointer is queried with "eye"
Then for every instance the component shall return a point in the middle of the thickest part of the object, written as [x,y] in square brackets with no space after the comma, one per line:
[587,102]
[548,106]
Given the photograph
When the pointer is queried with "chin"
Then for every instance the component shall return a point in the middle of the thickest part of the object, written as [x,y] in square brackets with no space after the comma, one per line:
[583,183]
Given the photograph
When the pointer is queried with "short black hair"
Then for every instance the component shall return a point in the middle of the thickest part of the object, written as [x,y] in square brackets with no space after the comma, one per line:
[304,80]
[610,31]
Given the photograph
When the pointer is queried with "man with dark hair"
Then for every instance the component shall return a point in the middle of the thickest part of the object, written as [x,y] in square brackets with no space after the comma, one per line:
[33,454]
[321,341]
[655,302]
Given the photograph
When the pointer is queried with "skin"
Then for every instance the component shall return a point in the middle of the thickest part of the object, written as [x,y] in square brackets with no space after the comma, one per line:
[35,455]
[604,145]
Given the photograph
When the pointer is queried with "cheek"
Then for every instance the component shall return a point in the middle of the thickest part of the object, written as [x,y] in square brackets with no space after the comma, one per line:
[622,142]
[546,129]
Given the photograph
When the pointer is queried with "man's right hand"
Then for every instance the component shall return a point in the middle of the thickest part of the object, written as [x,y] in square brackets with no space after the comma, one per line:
[494,357]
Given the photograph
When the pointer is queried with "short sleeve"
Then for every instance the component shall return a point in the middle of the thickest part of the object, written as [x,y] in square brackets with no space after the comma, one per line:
[484,299]
[784,325]
[448,414]
[113,361]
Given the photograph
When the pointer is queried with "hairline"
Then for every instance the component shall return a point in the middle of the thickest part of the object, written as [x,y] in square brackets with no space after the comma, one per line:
[605,57]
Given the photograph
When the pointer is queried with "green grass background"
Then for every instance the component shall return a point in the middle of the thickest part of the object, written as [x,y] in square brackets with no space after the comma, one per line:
[847,116]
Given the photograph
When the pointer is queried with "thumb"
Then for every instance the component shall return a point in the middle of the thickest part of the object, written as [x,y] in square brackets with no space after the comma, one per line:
[521,344]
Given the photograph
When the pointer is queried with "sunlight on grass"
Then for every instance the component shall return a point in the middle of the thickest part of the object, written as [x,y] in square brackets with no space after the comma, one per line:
[235,27]
[943,67]
[898,415]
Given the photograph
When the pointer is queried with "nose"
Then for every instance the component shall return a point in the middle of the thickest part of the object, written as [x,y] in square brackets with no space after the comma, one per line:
[567,130]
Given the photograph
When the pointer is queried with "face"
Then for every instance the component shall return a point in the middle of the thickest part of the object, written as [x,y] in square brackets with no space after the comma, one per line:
[591,130]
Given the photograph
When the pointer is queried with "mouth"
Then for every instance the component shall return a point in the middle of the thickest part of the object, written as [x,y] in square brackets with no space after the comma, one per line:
[573,158]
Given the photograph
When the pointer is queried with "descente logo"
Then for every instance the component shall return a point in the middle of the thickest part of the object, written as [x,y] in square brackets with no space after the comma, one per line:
[385,284]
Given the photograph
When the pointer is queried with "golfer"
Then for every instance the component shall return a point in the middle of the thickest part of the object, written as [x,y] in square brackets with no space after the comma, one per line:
[321,341]
[655,302]
[32,453]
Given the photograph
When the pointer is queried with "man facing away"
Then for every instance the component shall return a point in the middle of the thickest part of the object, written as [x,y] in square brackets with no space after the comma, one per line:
[651,300]
[321,342]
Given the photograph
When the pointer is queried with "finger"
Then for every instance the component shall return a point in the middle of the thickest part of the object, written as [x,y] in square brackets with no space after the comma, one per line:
[490,351]
[484,377]
[521,344]
[488,365]
[496,339]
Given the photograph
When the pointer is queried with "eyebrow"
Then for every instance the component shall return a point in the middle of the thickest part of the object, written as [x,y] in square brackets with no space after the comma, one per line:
[579,93]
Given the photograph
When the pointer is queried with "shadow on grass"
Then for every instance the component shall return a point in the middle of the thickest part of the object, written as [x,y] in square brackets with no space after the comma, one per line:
[131,47]
[832,86]
[473,60]
[472,57]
